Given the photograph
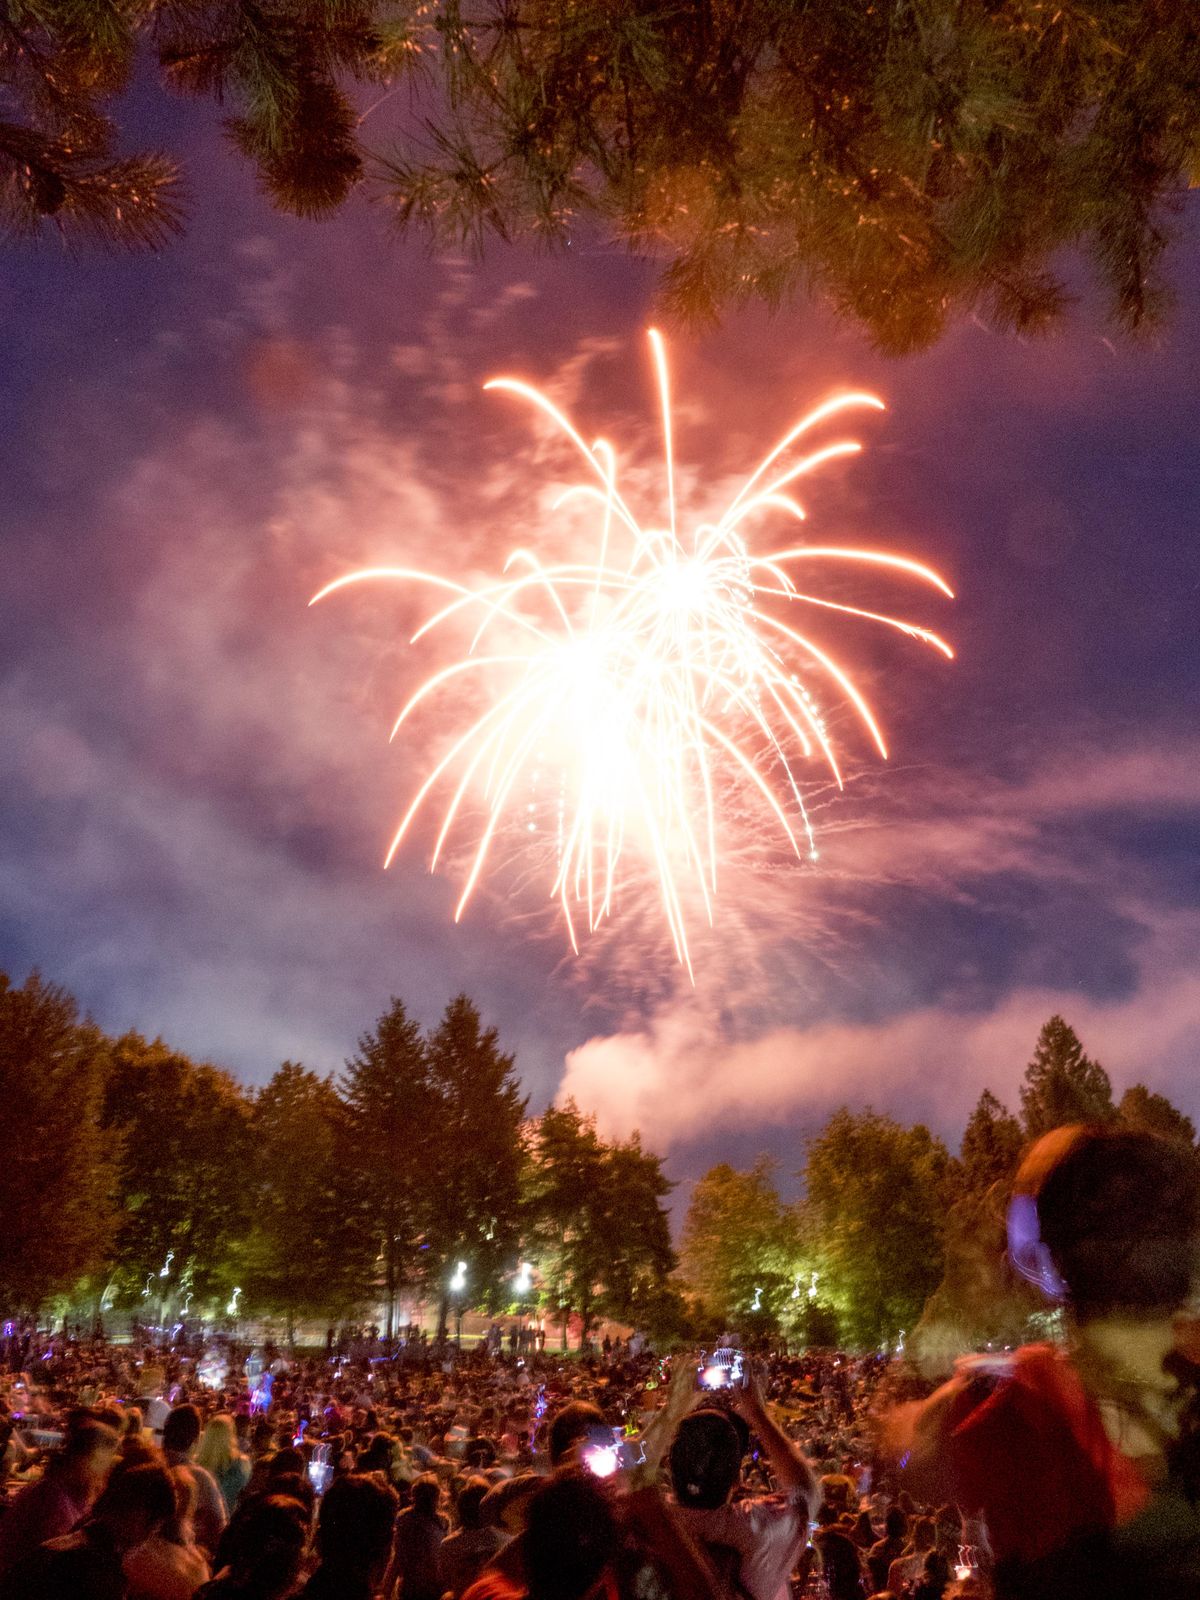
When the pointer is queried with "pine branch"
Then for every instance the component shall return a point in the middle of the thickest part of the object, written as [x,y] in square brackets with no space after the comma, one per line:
[124,203]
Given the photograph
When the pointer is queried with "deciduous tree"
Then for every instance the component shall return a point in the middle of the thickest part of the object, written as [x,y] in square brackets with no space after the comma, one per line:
[739,1247]
[878,1192]
[184,1184]
[56,1217]
[596,1219]
[632,1237]
[304,1255]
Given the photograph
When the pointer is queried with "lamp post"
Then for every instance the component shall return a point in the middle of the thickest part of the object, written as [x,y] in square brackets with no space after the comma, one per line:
[521,1287]
[457,1284]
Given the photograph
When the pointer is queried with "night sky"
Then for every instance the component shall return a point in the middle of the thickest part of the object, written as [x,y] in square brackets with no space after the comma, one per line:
[198,787]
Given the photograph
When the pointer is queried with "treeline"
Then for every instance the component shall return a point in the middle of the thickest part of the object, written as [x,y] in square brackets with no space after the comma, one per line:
[896,1236]
[137,1179]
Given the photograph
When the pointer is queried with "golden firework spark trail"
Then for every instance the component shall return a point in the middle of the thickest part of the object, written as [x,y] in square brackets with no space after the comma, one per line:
[649,684]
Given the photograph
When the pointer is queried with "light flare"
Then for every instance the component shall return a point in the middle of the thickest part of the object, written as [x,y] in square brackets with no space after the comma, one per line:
[628,699]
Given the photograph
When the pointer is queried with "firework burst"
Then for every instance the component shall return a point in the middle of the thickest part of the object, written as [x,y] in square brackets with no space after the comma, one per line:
[621,701]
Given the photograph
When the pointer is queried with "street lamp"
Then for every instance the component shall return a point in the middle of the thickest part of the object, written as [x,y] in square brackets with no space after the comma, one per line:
[522,1288]
[457,1284]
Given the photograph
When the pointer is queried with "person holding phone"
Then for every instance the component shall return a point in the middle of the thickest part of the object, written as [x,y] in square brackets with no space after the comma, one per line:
[754,1542]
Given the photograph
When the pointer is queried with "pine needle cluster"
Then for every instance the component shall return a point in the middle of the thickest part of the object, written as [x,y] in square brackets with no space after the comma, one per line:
[62,63]
[905,160]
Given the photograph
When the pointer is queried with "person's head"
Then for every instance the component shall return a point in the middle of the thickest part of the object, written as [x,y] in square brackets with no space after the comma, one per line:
[706,1460]
[88,1451]
[507,1503]
[266,1546]
[181,1430]
[1108,1219]
[294,1486]
[135,1504]
[571,1426]
[285,1462]
[470,1503]
[895,1524]
[835,1490]
[839,1557]
[219,1444]
[924,1534]
[426,1492]
[571,1536]
[354,1527]
[137,1451]
[377,1457]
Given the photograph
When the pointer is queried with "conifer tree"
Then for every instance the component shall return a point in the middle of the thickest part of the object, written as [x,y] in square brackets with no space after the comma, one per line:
[390,1107]
[991,1145]
[473,1200]
[1143,1108]
[1063,1085]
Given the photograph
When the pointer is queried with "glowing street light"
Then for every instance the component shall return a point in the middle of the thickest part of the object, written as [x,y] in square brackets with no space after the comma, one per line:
[457,1284]
[524,1281]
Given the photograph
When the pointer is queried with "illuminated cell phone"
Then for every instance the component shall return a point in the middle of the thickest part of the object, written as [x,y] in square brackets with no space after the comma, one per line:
[320,1469]
[724,1369]
[601,1455]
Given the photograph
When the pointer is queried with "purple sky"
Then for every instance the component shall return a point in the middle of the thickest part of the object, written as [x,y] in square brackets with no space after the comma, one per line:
[198,786]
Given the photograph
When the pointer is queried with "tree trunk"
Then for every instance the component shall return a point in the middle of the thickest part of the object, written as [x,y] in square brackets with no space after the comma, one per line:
[566,1322]
[443,1323]
[390,1259]
[585,1318]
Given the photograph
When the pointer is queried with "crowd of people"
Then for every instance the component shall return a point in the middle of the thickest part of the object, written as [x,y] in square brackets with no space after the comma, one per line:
[441,1473]
[130,1473]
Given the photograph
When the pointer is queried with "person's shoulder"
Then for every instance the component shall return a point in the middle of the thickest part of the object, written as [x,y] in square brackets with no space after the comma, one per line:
[493,1585]
[728,1524]
[206,1484]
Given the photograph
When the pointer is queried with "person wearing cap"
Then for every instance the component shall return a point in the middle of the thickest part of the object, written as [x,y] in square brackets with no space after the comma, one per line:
[754,1542]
